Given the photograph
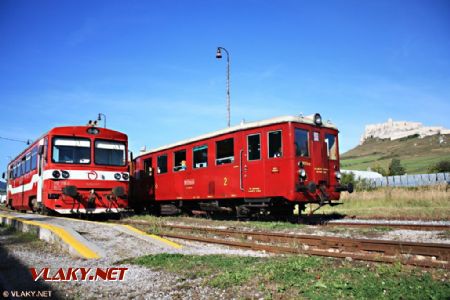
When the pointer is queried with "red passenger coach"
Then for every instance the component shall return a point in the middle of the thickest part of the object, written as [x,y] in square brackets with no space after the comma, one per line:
[259,167]
[80,169]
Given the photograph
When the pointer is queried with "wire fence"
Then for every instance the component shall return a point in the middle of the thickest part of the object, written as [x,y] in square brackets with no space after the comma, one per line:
[410,180]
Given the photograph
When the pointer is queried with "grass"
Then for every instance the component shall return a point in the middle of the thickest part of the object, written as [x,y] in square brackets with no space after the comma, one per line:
[156,222]
[297,277]
[17,237]
[416,154]
[430,203]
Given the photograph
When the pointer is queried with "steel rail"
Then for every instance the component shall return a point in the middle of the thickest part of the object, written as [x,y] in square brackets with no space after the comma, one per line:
[391,225]
[359,249]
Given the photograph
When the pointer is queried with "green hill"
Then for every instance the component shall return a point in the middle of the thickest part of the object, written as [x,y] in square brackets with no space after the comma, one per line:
[416,154]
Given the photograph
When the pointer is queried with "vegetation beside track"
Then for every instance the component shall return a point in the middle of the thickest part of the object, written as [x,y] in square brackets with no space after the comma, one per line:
[425,203]
[154,223]
[293,277]
[17,237]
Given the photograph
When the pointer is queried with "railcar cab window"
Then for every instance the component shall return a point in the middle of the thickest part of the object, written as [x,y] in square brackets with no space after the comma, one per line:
[11,172]
[254,147]
[71,150]
[225,151]
[200,157]
[109,153]
[179,163]
[162,164]
[301,143]
[28,163]
[20,168]
[330,140]
[34,158]
[275,144]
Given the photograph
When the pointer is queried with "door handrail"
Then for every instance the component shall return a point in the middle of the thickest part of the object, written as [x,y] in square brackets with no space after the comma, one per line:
[241,184]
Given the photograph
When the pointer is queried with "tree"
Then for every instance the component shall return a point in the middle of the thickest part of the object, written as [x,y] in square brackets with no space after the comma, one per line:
[395,167]
[379,169]
[440,167]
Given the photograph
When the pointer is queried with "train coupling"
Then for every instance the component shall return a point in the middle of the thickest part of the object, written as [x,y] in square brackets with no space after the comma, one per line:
[344,188]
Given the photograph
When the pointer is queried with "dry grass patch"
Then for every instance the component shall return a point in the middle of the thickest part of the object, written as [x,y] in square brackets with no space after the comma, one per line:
[431,203]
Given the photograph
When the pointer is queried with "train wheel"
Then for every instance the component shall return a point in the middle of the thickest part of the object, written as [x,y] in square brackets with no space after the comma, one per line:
[34,205]
[43,210]
[242,212]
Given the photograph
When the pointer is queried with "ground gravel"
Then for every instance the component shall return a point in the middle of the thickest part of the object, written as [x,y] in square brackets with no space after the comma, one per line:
[139,282]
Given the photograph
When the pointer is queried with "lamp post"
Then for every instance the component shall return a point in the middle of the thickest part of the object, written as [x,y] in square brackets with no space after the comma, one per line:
[219,56]
[100,118]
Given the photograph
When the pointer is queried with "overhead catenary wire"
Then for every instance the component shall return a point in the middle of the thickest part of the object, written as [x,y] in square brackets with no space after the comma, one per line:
[15,140]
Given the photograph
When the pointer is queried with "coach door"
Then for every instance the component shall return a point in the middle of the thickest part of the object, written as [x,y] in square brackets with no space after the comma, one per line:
[253,168]
[22,182]
[148,180]
[319,156]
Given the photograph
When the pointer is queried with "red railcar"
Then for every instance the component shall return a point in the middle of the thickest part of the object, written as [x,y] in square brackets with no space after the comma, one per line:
[79,169]
[266,166]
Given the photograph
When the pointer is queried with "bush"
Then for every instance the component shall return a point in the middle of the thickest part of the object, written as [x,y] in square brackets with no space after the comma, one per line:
[379,169]
[362,184]
[348,178]
[440,167]
[395,167]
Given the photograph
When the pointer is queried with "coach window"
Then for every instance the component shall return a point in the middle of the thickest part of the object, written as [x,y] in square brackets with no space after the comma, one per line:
[225,151]
[28,163]
[71,150]
[162,164]
[200,157]
[34,158]
[330,140]
[301,142]
[110,153]
[254,146]
[179,163]
[19,169]
[275,144]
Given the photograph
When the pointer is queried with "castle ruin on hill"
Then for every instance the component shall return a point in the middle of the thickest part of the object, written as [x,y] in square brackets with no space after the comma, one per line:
[394,130]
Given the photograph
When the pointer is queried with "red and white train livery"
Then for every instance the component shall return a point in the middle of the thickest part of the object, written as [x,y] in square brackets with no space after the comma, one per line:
[265,166]
[78,169]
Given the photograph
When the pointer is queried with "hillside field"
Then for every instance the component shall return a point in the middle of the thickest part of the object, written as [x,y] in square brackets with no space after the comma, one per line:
[416,154]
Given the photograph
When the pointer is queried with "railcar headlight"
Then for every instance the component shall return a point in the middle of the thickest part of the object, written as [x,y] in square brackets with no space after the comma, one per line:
[117,176]
[125,176]
[56,174]
[302,173]
[338,175]
[65,174]
[317,119]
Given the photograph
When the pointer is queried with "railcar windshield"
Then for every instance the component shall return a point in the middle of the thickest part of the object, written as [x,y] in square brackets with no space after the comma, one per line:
[110,153]
[71,150]
[301,142]
[330,140]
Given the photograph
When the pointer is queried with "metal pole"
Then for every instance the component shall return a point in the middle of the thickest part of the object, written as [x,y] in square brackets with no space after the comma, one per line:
[228,85]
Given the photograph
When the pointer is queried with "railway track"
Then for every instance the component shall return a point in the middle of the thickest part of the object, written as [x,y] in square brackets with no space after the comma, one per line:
[408,253]
[388,224]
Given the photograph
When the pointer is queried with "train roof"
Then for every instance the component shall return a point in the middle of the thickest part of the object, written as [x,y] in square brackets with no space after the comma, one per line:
[242,126]
[67,130]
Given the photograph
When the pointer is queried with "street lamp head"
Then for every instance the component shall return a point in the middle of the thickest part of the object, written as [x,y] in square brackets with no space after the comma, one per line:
[218,53]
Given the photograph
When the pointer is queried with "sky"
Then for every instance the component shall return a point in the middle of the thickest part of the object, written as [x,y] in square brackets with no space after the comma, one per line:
[150,66]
